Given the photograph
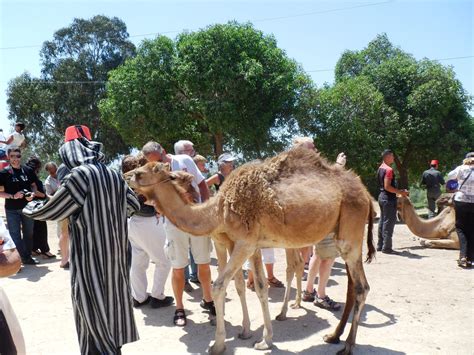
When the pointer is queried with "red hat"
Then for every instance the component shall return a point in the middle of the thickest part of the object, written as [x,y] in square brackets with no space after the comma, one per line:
[77,131]
[434,162]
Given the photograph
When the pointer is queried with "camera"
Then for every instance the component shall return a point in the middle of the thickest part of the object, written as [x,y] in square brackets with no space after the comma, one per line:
[27,193]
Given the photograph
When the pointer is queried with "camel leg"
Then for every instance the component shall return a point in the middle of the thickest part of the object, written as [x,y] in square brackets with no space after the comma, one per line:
[241,252]
[294,262]
[360,288]
[261,289]
[290,270]
[240,287]
[440,244]
[299,271]
[334,338]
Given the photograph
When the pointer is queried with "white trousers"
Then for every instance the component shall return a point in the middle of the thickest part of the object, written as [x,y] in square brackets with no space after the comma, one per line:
[147,238]
[268,257]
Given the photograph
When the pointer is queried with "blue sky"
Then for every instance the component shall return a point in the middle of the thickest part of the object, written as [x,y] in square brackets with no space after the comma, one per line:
[314,33]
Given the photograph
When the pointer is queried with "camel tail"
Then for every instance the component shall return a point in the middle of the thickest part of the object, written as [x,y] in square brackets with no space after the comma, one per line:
[370,237]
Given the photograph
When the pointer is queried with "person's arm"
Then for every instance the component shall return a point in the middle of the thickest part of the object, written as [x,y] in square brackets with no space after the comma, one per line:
[423,179]
[441,180]
[66,201]
[213,180]
[10,262]
[9,140]
[387,181]
[133,204]
[204,190]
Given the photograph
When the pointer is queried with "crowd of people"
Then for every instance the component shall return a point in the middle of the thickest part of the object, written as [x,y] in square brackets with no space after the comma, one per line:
[109,236]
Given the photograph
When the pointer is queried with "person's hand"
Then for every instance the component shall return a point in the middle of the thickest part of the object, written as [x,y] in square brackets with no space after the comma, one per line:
[18,195]
[404,193]
[341,159]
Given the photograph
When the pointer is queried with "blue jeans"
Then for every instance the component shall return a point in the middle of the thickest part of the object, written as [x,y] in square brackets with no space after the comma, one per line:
[18,222]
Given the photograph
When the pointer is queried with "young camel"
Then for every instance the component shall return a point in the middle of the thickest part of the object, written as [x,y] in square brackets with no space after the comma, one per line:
[290,201]
[440,230]
[294,260]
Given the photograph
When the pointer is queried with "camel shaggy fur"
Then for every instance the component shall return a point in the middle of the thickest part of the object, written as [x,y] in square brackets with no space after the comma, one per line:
[290,201]
[439,231]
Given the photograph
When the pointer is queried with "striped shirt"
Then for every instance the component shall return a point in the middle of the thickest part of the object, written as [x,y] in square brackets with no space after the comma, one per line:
[95,198]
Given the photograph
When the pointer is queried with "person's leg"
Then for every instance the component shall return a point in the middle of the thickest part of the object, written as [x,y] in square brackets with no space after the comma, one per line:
[177,281]
[138,279]
[64,242]
[156,243]
[390,212]
[431,204]
[313,269]
[40,235]
[462,224]
[14,227]
[382,203]
[201,249]
[470,233]
[177,252]
[324,273]
[27,225]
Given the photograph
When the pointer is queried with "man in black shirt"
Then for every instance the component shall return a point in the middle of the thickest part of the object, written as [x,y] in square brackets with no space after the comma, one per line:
[433,180]
[19,189]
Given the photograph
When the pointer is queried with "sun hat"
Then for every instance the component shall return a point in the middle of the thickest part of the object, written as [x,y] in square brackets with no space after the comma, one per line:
[77,131]
[224,158]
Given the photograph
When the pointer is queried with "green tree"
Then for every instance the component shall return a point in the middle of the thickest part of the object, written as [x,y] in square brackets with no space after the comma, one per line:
[385,98]
[74,70]
[224,87]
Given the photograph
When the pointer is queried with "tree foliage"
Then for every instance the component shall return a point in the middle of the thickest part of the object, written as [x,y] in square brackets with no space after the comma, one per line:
[224,87]
[74,70]
[385,98]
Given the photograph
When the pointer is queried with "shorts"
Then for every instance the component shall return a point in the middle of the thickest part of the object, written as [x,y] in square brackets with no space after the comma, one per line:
[268,257]
[178,244]
[326,248]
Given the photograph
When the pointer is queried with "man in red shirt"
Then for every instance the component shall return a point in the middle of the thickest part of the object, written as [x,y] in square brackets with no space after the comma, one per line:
[387,201]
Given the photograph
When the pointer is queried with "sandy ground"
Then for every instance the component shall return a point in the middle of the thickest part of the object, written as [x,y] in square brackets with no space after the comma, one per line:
[420,303]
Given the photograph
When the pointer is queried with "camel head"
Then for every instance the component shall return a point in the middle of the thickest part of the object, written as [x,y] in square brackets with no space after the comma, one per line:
[145,179]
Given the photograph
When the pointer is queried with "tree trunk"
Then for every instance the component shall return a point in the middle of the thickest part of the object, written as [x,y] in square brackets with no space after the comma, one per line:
[218,144]
[403,180]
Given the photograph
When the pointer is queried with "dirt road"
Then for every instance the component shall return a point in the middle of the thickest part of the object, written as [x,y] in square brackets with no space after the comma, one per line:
[420,303]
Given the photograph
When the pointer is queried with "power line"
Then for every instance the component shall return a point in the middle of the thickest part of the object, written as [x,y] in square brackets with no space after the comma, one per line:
[258,20]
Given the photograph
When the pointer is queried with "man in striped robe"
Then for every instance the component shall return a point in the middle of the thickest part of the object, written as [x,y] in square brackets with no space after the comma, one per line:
[96,199]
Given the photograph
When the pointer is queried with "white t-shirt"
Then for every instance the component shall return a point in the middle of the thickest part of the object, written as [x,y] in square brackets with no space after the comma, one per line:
[18,138]
[2,138]
[183,162]
[464,174]
[5,234]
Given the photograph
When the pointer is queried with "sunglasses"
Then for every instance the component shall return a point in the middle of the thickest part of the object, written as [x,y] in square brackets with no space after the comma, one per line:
[15,155]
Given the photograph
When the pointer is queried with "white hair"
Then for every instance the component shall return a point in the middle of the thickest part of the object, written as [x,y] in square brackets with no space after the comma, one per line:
[152,147]
[180,146]
[298,141]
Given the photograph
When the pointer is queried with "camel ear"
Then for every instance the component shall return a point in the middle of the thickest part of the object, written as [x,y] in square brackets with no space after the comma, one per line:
[166,167]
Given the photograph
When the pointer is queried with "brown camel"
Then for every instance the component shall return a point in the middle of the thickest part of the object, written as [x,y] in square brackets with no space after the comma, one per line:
[440,230]
[294,259]
[290,201]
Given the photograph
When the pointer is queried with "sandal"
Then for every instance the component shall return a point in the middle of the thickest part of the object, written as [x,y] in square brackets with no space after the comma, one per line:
[179,318]
[274,282]
[251,286]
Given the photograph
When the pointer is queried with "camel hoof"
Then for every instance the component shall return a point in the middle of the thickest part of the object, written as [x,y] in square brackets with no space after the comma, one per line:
[296,305]
[281,317]
[245,335]
[216,350]
[262,345]
[331,339]
[426,243]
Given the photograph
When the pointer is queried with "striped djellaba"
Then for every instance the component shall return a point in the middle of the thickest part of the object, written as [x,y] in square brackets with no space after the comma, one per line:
[96,200]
